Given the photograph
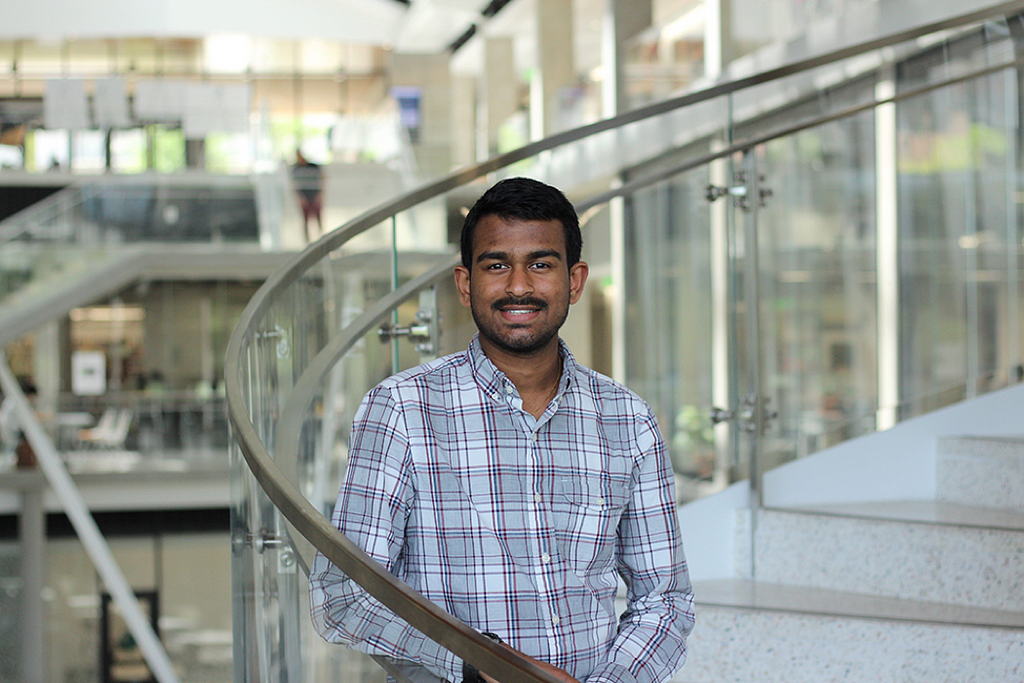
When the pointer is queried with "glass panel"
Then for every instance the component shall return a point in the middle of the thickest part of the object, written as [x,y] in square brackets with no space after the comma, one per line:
[958,241]
[75,231]
[669,320]
[184,577]
[817,287]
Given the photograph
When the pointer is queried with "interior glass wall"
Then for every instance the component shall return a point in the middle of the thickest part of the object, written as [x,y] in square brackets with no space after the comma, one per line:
[183,580]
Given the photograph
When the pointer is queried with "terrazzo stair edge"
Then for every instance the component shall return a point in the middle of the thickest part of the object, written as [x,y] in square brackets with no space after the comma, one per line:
[944,563]
[983,471]
[744,594]
[759,645]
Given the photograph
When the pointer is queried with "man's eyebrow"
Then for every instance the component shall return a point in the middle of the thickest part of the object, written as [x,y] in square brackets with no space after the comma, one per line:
[505,256]
[492,256]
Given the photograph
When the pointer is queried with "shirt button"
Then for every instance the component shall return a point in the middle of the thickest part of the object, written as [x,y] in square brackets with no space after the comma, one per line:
[554,620]
[545,558]
[508,389]
[537,498]
[600,501]
[496,396]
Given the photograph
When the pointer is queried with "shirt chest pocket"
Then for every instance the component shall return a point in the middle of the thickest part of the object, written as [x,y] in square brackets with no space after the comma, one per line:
[586,513]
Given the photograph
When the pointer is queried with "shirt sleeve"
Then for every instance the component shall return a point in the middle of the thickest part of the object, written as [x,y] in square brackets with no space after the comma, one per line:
[651,642]
[371,510]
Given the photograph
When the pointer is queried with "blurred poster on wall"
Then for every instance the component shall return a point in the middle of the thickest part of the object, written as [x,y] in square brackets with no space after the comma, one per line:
[409,99]
[88,373]
[110,103]
[160,100]
[65,104]
[216,108]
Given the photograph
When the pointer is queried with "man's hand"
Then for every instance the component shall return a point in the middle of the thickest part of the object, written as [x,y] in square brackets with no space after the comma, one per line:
[550,668]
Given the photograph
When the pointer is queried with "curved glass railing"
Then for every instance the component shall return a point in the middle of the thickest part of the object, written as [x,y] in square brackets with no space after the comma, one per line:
[778,264]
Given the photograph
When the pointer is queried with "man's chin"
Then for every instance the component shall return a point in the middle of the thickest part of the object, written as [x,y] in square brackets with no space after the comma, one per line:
[521,345]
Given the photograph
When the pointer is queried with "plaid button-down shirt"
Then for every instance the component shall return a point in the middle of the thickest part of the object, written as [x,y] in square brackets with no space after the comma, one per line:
[513,524]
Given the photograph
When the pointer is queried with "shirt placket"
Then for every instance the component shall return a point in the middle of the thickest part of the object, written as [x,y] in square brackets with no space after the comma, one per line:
[542,552]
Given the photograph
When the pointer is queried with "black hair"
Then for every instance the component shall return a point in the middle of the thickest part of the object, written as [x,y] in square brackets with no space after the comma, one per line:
[528,200]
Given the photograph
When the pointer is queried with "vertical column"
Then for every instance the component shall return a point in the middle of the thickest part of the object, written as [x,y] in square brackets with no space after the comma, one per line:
[433,115]
[463,120]
[46,367]
[723,334]
[887,255]
[500,89]
[32,533]
[623,19]
[556,65]
[720,46]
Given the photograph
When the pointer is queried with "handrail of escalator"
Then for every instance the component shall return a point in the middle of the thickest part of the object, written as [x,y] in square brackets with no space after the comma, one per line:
[308,521]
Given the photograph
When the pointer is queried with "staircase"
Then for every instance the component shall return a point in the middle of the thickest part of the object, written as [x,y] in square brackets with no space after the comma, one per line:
[911,591]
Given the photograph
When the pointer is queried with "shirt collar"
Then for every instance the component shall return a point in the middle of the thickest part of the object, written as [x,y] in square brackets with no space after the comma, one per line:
[492,380]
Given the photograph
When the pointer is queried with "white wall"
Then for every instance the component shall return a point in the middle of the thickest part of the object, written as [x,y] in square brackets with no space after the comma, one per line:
[709,532]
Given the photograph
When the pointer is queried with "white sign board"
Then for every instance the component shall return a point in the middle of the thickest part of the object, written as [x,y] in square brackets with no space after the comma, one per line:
[88,373]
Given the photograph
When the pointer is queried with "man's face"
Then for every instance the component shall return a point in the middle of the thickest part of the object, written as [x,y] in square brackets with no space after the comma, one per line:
[518,285]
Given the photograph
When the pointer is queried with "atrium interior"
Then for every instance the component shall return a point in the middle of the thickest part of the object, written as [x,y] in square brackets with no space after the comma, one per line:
[795,252]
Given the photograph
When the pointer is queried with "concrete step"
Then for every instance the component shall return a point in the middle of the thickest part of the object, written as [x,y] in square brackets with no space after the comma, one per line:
[934,552]
[986,472]
[761,632]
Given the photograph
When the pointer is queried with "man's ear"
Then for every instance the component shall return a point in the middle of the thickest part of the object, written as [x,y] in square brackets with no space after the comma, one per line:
[577,278]
[462,284]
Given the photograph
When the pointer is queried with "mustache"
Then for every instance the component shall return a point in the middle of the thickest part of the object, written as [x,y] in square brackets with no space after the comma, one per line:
[513,302]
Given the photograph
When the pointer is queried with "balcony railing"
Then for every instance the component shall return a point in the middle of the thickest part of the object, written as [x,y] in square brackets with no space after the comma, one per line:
[778,264]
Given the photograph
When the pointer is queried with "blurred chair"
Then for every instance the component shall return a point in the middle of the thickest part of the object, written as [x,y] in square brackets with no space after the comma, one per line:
[110,431]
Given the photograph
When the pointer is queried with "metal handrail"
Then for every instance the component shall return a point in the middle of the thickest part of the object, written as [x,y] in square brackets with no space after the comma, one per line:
[310,523]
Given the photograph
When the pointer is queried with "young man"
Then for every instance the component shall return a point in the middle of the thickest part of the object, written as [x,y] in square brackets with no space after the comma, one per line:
[510,485]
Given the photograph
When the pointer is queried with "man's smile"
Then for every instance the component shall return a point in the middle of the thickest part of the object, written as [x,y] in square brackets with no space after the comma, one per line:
[520,310]
[509,305]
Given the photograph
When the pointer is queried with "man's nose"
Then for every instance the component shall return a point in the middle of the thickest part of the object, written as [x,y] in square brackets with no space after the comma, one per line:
[519,282]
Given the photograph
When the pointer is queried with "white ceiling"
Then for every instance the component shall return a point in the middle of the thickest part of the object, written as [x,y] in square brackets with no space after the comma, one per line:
[422,26]
[419,27]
